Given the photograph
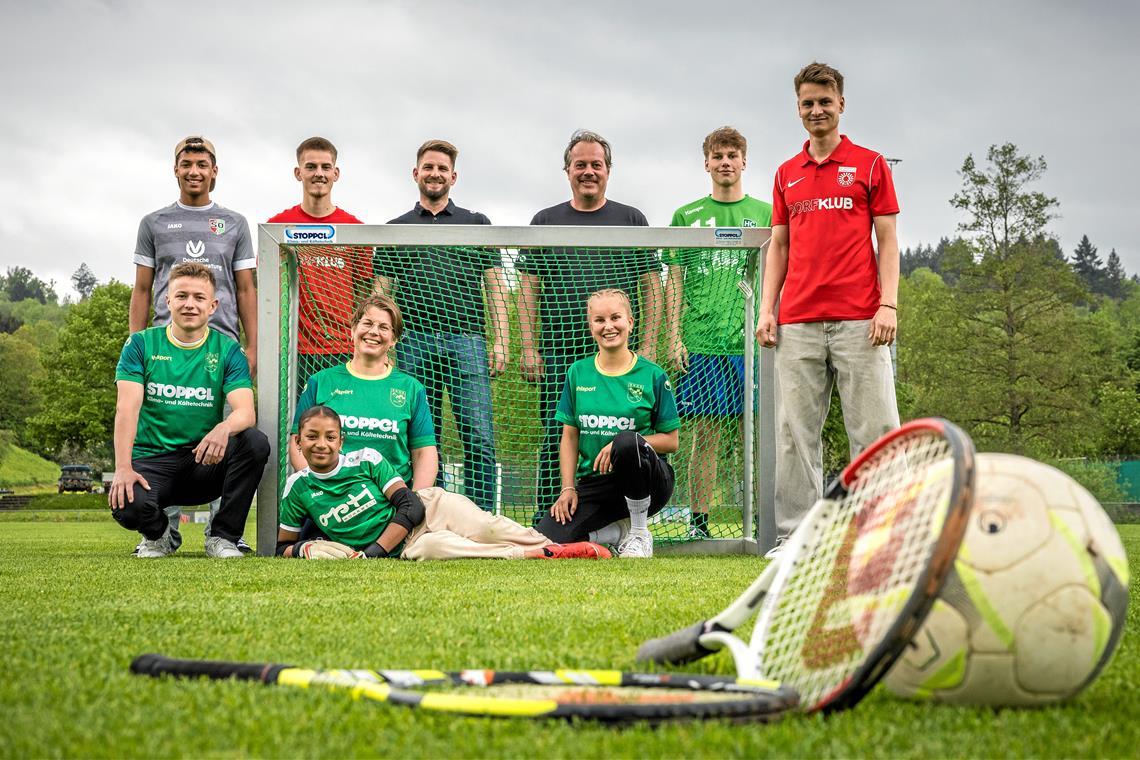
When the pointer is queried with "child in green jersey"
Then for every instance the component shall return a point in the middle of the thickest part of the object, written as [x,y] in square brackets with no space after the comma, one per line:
[366,510]
[618,416]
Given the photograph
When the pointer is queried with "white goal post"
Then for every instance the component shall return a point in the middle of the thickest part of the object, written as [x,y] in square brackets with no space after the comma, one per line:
[745,493]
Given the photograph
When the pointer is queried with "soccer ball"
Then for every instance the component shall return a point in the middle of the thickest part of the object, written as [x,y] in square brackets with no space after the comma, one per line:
[1036,602]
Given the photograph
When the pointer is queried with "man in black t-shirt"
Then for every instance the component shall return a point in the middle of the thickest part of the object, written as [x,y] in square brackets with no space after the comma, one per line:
[554,284]
[440,291]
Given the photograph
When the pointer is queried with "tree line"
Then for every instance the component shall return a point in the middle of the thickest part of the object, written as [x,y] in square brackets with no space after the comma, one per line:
[1030,349]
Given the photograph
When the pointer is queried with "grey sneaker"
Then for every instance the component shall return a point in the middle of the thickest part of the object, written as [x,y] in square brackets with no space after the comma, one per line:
[636,545]
[776,550]
[159,547]
[222,548]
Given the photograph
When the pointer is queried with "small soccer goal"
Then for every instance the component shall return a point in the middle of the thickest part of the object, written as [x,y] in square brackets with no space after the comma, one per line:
[493,318]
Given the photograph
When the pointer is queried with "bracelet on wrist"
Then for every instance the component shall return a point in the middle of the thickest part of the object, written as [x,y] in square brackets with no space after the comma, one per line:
[568,488]
[888,306]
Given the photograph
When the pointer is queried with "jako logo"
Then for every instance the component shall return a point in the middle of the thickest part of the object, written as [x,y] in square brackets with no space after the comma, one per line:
[605,421]
[310,233]
[195,248]
[370,423]
[179,391]
[728,233]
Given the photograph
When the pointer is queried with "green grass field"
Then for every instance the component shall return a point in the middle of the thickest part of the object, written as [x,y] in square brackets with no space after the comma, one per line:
[19,468]
[77,608]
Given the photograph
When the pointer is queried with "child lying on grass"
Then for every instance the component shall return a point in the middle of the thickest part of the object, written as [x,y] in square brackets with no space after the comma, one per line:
[365,510]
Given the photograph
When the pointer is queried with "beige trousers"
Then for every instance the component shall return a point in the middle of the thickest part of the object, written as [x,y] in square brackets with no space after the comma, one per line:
[455,528]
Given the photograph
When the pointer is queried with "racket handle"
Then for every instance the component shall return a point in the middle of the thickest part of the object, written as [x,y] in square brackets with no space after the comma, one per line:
[157,665]
[678,647]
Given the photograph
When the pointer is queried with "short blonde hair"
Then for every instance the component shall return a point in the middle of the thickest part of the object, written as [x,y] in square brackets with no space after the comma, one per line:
[617,293]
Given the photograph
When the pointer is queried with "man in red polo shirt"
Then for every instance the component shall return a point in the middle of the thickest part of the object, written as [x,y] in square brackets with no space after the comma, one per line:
[330,282]
[837,301]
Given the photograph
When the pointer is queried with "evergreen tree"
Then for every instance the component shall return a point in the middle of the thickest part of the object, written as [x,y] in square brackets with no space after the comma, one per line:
[1087,264]
[1114,276]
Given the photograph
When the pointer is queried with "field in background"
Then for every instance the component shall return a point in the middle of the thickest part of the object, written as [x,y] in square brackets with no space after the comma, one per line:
[78,608]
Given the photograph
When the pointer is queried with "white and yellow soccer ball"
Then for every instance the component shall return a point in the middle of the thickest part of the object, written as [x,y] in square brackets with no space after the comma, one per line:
[1036,603]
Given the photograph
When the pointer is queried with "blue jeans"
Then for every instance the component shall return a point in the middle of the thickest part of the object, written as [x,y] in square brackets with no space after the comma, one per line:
[458,362]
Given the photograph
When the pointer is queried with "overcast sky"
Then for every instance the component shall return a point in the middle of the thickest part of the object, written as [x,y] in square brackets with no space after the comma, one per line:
[96,94]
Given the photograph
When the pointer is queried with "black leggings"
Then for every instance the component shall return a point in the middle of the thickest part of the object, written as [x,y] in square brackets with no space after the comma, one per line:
[638,472]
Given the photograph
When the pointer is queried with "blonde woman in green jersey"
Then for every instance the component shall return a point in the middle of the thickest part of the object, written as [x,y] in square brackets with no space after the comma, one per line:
[619,420]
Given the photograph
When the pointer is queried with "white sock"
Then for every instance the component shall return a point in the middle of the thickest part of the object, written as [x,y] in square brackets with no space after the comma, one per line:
[610,534]
[638,514]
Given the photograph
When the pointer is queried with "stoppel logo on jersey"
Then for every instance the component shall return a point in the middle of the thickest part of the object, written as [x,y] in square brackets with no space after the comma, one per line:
[180,395]
[195,248]
[727,235]
[369,424]
[352,507]
[398,396]
[821,204]
[310,233]
[846,176]
[634,392]
[212,361]
[588,422]
[218,226]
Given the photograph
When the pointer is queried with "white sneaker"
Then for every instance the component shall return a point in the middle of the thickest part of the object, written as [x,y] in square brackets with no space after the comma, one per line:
[636,545]
[159,547]
[221,548]
[776,550]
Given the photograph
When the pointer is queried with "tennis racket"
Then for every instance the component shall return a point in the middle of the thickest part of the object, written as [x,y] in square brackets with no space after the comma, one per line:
[606,696]
[856,578]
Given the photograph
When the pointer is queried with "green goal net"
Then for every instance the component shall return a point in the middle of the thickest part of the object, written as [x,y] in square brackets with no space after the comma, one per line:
[492,319]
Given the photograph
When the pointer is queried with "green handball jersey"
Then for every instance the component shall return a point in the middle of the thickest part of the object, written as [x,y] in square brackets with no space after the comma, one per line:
[601,405]
[347,503]
[389,413]
[713,321]
[184,387]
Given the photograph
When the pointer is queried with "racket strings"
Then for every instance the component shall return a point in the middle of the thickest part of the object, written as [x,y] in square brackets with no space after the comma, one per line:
[858,567]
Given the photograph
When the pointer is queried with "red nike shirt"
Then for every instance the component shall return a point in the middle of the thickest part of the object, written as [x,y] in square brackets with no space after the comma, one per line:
[326,283]
[829,207]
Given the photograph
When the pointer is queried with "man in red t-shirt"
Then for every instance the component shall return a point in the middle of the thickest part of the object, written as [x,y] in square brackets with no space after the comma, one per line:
[329,282]
[837,301]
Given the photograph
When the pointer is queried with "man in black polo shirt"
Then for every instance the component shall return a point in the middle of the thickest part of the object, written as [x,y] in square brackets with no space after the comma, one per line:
[440,291]
[554,284]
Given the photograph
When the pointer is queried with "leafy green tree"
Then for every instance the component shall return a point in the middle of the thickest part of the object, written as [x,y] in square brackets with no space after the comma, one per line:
[20,369]
[1003,350]
[78,383]
[20,283]
[84,281]
[1001,208]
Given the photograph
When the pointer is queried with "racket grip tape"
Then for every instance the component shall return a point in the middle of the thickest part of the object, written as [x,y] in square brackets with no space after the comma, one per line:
[158,665]
[678,647]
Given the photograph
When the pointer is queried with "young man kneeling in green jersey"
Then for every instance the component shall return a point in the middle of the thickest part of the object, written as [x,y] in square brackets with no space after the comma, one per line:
[172,443]
[367,510]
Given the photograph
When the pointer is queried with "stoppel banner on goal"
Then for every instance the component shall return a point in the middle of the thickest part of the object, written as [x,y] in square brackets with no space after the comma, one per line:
[492,319]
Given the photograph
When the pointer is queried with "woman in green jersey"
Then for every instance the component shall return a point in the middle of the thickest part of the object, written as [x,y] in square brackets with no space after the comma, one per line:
[380,406]
[619,419]
[366,510]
